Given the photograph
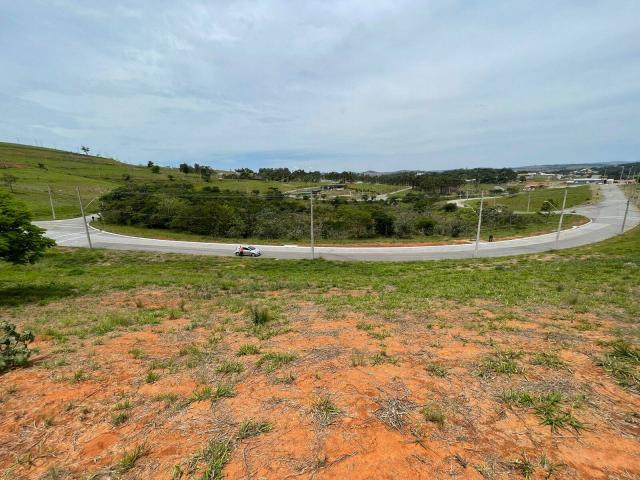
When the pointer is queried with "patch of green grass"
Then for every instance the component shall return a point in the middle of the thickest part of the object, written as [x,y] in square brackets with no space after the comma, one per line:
[271,361]
[622,362]
[434,414]
[227,367]
[248,349]
[367,327]
[213,458]
[325,410]
[501,361]
[251,428]
[549,407]
[383,357]
[130,458]
[436,369]
[137,353]
[259,315]
[152,377]
[222,391]
[524,466]
[547,359]
[79,376]
[118,418]
[203,393]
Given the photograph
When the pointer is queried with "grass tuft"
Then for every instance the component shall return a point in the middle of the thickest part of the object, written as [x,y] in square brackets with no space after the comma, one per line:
[251,428]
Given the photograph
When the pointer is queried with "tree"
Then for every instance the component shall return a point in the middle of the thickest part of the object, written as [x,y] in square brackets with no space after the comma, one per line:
[20,240]
[149,164]
[9,180]
[85,149]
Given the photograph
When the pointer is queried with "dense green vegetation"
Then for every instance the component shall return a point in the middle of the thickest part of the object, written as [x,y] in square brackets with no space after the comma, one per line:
[20,240]
[229,215]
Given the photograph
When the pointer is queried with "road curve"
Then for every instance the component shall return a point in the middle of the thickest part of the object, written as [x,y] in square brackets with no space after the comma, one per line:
[606,220]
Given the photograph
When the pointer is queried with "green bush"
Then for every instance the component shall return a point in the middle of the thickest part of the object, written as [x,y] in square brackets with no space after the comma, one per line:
[13,347]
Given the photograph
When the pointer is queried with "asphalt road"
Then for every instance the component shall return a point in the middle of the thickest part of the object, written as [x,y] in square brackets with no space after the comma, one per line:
[606,220]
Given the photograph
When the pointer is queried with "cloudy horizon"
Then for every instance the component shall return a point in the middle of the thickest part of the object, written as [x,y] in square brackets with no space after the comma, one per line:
[352,85]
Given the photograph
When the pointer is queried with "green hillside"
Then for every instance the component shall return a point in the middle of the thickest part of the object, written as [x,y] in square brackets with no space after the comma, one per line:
[37,168]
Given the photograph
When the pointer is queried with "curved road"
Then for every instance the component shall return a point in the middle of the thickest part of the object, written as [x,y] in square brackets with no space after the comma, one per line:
[606,220]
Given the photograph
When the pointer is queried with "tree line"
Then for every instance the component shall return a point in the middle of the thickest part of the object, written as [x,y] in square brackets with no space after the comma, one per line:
[230,214]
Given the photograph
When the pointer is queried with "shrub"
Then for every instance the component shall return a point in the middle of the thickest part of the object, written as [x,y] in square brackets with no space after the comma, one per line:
[13,347]
[259,315]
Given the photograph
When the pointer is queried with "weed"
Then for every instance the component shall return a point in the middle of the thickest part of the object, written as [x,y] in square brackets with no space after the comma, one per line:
[118,418]
[436,369]
[287,379]
[325,410]
[501,361]
[13,347]
[223,391]
[381,335]
[227,367]
[434,414]
[123,405]
[259,315]
[203,393]
[79,376]
[251,428]
[129,458]
[214,457]
[248,349]
[367,327]
[137,353]
[152,377]
[524,466]
[382,357]
[547,406]
[622,361]
[548,359]
[274,360]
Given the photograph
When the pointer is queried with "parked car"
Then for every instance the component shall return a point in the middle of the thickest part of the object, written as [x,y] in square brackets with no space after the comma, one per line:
[247,250]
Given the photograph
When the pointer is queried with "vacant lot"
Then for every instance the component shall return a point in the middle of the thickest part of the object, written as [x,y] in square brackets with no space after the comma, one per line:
[519,201]
[164,366]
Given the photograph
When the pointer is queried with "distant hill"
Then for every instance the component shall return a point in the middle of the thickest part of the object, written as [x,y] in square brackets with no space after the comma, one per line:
[565,166]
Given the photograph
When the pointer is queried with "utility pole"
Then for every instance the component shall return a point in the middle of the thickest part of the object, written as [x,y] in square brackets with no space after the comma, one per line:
[528,201]
[564,203]
[84,219]
[624,219]
[53,212]
[313,253]
[475,251]
[621,173]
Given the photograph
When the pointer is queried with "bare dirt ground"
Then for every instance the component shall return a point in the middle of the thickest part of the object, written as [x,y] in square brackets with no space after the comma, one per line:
[436,396]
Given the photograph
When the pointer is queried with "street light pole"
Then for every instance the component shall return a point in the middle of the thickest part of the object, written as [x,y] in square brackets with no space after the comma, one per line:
[624,219]
[84,219]
[313,254]
[564,202]
[53,212]
[475,251]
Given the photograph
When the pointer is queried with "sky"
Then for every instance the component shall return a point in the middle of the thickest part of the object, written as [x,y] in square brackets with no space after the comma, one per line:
[328,85]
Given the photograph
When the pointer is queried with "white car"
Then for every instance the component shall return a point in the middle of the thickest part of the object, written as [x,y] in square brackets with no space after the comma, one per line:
[247,250]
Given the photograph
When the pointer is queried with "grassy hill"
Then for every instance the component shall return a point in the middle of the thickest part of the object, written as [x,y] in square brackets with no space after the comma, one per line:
[37,168]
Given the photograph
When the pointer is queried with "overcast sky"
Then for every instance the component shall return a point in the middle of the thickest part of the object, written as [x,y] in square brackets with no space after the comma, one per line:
[345,85]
